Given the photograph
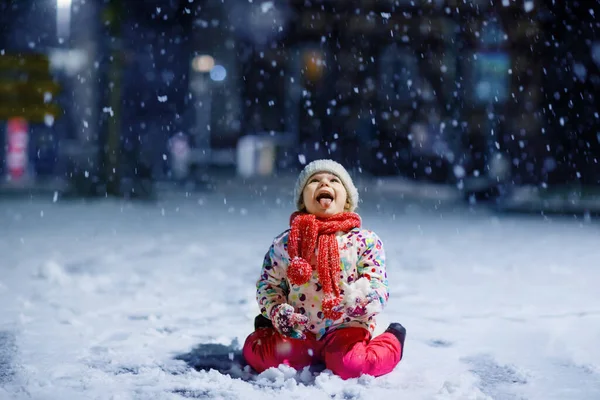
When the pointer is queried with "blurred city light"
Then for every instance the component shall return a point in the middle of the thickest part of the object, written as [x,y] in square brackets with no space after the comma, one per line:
[203,63]
[218,73]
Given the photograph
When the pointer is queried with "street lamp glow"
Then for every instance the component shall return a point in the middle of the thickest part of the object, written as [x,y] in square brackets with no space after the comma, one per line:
[63,18]
[64,3]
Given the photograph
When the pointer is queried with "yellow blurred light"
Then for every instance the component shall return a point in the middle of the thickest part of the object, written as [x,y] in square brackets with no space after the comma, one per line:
[314,64]
[203,63]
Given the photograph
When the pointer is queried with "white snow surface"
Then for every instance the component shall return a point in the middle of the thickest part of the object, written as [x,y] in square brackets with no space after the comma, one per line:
[98,297]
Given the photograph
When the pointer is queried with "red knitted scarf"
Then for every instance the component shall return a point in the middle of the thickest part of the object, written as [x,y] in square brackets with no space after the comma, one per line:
[309,233]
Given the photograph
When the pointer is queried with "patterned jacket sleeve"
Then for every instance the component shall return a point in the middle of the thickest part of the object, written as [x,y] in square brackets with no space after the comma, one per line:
[371,264]
[272,287]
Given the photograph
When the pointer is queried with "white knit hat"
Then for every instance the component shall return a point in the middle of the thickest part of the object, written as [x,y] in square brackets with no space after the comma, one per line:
[326,166]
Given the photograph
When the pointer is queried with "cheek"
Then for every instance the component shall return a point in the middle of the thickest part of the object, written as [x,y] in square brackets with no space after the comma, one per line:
[307,193]
[342,196]
[303,198]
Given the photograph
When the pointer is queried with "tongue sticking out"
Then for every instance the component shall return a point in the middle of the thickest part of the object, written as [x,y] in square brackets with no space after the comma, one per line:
[325,202]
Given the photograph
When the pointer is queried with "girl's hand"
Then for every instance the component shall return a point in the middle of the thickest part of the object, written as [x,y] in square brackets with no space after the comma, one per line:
[359,300]
[288,322]
[358,307]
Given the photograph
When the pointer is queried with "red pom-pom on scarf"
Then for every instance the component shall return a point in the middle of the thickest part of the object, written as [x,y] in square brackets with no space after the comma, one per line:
[299,271]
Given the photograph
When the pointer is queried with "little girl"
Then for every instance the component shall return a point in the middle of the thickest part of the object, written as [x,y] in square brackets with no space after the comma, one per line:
[322,283]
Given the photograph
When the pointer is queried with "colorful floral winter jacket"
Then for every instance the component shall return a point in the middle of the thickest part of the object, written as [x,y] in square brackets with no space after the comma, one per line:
[361,255]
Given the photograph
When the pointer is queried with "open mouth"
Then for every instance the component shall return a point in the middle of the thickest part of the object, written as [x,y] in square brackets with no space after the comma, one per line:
[325,199]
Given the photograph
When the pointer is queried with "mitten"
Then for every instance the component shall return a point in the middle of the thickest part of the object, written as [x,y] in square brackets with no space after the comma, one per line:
[288,322]
[360,300]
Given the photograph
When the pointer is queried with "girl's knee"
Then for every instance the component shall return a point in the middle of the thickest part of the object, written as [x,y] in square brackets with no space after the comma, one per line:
[266,348]
[350,365]
[360,361]
[255,350]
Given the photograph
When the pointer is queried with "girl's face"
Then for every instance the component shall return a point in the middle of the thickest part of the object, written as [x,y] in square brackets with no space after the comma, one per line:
[324,195]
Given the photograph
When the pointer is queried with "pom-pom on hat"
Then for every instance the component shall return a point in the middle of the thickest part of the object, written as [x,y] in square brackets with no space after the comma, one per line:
[332,167]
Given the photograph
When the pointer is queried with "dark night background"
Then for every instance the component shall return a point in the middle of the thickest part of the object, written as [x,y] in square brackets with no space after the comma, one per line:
[487,96]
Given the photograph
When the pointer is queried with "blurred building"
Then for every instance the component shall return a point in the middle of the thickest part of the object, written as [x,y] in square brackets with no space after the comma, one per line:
[397,87]
[476,93]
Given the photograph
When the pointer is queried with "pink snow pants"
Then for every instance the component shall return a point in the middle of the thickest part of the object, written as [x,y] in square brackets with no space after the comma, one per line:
[347,352]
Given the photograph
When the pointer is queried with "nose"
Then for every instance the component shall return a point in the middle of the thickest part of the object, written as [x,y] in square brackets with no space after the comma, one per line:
[323,182]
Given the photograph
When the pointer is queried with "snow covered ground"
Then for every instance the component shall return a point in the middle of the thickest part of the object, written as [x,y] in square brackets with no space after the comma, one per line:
[97,300]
